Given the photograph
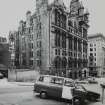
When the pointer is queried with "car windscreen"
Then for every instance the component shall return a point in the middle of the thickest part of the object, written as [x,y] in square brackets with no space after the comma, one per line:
[80,88]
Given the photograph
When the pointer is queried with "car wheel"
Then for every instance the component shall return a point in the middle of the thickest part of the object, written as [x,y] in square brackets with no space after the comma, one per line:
[43,95]
[78,101]
[92,99]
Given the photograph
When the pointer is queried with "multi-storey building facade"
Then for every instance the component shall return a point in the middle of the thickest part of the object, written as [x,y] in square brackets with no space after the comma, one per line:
[22,43]
[59,38]
[96,54]
[4,56]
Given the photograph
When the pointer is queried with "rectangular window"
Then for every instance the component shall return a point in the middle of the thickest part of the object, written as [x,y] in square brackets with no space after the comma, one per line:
[38,53]
[55,51]
[31,62]
[91,45]
[70,43]
[91,49]
[38,62]
[91,54]
[31,54]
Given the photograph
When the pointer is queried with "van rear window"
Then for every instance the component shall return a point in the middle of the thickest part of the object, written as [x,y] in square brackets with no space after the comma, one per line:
[44,79]
[41,79]
[68,83]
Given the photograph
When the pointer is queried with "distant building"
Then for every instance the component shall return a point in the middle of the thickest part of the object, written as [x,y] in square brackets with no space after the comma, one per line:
[96,54]
[3,40]
[4,55]
[21,44]
[53,39]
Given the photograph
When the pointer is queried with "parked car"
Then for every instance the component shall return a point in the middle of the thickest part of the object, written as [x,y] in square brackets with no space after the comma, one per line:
[92,80]
[1,76]
[90,95]
[65,88]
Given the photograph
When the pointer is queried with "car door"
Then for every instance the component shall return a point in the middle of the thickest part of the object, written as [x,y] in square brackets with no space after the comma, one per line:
[80,92]
[67,90]
[55,87]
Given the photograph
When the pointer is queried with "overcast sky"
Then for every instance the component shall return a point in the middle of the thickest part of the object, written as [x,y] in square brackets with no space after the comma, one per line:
[12,11]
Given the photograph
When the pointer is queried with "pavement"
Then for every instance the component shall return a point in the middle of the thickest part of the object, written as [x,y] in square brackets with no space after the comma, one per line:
[4,83]
[23,83]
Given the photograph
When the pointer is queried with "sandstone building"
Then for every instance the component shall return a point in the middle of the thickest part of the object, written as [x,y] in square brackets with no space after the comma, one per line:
[54,39]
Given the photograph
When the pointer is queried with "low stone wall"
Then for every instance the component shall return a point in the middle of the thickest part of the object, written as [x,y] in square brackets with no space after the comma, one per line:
[22,75]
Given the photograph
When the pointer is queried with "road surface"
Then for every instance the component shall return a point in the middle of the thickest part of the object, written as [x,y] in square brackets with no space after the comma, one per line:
[23,95]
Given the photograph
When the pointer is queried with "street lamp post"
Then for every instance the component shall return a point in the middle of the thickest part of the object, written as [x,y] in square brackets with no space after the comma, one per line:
[103,87]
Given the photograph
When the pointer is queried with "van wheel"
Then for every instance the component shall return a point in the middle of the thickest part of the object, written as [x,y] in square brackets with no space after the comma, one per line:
[78,101]
[43,95]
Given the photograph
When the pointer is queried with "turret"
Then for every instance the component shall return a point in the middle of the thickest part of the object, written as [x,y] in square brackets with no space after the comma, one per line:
[81,9]
[40,3]
[74,6]
[28,18]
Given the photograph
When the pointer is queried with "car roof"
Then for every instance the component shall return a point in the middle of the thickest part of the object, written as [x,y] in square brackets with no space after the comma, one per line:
[65,78]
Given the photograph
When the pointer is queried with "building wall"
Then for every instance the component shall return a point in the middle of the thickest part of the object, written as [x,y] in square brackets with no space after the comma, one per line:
[49,36]
[98,43]
[59,38]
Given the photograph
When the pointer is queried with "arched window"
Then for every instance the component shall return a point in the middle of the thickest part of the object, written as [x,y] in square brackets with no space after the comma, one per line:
[64,62]
[70,23]
[75,25]
[57,62]
[70,62]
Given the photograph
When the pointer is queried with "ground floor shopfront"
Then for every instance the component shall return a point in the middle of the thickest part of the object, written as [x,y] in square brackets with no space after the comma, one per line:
[97,71]
[75,73]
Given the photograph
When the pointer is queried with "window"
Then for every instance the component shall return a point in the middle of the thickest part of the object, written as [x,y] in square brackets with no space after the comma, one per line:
[63,40]
[91,54]
[31,45]
[70,43]
[38,53]
[94,49]
[57,80]
[79,46]
[84,33]
[38,62]
[68,83]
[91,49]
[41,78]
[31,54]
[55,51]
[58,52]
[39,44]
[31,62]
[70,23]
[57,38]
[94,54]
[91,45]
[47,79]
[75,44]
